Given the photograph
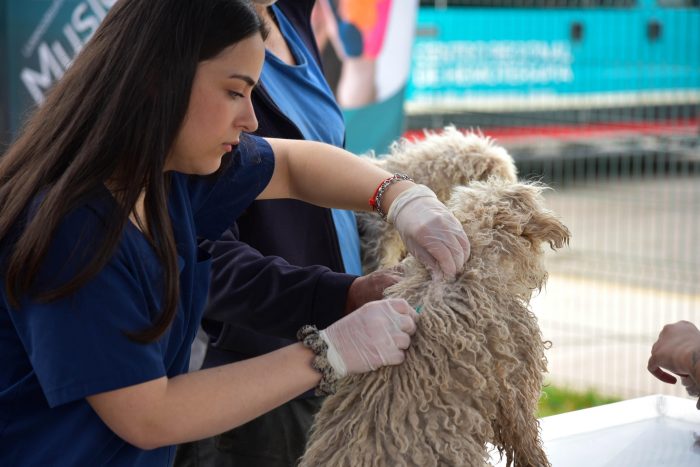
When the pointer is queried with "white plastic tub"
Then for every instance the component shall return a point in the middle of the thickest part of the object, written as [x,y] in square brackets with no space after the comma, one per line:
[650,431]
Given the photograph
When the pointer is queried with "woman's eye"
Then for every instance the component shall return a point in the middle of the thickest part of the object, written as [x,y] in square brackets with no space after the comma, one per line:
[235,95]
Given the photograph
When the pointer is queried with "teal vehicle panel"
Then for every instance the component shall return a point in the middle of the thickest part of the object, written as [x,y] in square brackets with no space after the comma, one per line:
[464,52]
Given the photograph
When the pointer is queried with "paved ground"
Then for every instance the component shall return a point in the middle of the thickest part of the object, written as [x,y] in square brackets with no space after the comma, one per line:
[632,266]
[602,333]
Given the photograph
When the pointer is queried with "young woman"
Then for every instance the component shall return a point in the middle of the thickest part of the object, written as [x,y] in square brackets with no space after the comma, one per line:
[102,200]
[308,266]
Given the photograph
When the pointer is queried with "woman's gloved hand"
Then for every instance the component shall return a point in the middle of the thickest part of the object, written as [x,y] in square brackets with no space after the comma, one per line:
[430,232]
[375,335]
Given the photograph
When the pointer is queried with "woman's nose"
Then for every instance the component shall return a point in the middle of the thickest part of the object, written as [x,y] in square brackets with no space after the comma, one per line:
[247,120]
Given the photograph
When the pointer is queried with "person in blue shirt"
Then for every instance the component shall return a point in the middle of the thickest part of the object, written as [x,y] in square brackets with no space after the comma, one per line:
[141,149]
[310,261]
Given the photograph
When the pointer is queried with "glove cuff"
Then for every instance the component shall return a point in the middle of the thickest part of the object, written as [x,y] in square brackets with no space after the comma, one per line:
[333,357]
[413,193]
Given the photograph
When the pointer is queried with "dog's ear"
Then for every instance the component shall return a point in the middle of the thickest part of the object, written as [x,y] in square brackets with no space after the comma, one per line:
[544,226]
[539,224]
[515,208]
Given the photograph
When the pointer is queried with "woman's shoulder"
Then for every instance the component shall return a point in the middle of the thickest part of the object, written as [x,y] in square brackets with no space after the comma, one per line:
[75,239]
[89,216]
[298,12]
[301,7]
[89,219]
[218,200]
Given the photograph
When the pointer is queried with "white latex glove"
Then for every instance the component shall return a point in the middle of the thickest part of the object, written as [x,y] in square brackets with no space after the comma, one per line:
[375,335]
[430,232]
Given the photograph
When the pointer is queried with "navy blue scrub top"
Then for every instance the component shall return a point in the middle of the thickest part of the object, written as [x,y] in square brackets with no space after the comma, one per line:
[56,354]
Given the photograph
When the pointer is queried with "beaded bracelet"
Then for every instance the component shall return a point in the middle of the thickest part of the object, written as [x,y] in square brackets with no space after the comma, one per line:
[376,200]
[310,337]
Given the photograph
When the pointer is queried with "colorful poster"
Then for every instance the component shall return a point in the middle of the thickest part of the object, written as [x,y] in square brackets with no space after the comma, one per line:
[373,40]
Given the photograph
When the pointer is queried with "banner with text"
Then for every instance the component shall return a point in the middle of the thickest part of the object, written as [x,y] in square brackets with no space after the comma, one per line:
[38,41]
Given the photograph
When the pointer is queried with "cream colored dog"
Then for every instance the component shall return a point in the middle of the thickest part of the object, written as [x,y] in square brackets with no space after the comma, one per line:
[474,371]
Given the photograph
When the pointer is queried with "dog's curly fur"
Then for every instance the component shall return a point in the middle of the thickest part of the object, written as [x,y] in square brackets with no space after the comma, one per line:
[474,371]
[441,161]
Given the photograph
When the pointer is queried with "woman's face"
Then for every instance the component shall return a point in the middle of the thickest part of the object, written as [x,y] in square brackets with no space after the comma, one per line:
[220,108]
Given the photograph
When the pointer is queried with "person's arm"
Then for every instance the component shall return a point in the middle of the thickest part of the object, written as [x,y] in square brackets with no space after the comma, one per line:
[328,176]
[268,294]
[197,405]
[677,351]
[166,411]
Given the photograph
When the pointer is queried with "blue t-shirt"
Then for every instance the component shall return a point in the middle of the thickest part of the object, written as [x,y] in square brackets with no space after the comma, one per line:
[315,112]
[55,355]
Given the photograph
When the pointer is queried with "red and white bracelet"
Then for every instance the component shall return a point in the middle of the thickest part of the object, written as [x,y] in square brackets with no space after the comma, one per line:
[376,200]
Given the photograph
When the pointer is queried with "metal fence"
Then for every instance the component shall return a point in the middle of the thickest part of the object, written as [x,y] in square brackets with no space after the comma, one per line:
[625,176]
[632,203]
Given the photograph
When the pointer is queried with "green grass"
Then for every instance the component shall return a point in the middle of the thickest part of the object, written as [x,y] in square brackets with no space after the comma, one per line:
[556,400]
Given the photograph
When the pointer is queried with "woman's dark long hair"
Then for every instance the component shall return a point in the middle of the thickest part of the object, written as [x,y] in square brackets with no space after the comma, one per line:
[112,119]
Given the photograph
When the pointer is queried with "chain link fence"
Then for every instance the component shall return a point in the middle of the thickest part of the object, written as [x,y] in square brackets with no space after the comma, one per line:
[623,163]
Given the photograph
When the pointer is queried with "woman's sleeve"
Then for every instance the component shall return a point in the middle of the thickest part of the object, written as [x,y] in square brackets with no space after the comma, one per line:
[218,200]
[77,345]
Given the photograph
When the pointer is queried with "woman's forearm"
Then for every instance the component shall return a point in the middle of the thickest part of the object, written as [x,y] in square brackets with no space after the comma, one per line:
[207,402]
[326,176]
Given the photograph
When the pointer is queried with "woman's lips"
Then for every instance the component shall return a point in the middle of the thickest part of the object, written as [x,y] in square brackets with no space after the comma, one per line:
[230,145]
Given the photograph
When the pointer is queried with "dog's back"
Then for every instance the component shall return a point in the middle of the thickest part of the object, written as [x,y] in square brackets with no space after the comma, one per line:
[474,371]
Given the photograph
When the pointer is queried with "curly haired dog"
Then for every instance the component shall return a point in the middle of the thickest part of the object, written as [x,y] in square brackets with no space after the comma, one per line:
[474,371]
[441,161]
